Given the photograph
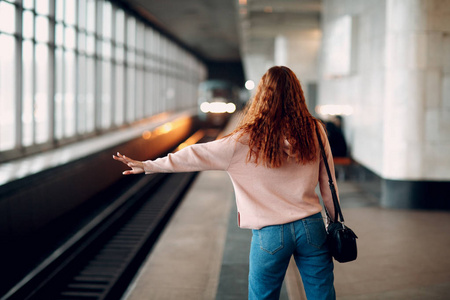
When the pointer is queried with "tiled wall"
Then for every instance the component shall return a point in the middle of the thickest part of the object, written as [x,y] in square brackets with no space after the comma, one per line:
[399,85]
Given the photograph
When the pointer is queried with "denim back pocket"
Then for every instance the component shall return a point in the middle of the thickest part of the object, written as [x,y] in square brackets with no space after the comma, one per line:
[271,238]
[315,231]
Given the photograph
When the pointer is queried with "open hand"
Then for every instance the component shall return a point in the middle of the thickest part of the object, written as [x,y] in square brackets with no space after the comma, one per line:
[136,166]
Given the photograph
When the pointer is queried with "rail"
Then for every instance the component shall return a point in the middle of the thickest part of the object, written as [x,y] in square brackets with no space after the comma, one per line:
[100,260]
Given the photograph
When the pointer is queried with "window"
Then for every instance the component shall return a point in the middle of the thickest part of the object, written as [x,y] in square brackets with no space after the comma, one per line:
[27,93]
[7,18]
[41,104]
[77,68]
[7,91]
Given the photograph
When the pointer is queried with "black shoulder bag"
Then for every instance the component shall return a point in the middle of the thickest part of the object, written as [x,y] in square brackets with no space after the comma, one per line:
[341,239]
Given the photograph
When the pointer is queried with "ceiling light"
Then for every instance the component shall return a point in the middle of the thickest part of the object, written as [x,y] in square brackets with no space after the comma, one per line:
[249,85]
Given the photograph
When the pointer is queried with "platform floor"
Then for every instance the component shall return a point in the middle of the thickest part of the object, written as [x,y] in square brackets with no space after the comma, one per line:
[202,254]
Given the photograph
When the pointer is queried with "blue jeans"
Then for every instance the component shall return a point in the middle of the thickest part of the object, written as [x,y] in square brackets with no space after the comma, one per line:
[270,253]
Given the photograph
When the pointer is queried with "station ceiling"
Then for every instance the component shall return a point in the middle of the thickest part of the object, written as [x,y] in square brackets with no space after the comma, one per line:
[221,31]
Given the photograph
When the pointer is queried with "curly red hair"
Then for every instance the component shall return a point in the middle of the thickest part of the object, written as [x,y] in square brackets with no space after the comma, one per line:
[278,112]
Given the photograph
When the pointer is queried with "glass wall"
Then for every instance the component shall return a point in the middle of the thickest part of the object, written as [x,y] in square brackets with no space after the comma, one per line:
[73,69]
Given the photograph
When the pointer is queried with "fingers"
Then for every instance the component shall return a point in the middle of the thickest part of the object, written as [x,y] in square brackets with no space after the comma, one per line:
[122,158]
[118,158]
[132,171]
[136,166]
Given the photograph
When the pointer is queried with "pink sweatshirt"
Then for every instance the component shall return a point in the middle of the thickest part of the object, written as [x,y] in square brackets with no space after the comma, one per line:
[264,196]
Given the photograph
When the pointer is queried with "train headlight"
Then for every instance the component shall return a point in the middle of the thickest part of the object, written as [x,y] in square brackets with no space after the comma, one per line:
[231,108]
[204,107]
[217,107]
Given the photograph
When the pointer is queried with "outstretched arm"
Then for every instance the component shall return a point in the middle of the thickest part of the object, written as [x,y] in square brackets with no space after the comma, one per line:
[136,166]
[215,155]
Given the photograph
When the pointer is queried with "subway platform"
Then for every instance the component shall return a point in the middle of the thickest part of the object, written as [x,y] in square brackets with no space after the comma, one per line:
[202,254]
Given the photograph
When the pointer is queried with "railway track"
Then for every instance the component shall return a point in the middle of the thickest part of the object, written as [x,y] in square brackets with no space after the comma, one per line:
[100,260]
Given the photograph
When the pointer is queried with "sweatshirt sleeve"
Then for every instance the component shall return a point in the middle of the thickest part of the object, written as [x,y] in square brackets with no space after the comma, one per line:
[323,176]
[215,155]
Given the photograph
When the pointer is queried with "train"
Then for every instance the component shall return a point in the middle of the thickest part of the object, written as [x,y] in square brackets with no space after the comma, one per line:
[217,101]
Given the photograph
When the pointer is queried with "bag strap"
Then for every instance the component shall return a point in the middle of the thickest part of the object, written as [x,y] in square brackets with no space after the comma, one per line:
[337,207]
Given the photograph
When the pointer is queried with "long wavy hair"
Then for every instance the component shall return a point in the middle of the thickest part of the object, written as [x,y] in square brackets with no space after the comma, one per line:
[278,113]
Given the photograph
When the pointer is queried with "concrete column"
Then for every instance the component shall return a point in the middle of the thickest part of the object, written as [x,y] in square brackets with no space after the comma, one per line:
[417,104]
[299,51]
[400,93]
[280,51]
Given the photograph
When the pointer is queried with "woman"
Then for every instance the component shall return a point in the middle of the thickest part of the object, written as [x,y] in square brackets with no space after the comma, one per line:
[273,159]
